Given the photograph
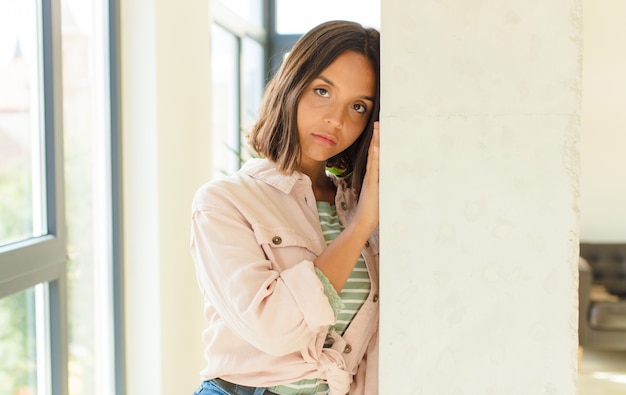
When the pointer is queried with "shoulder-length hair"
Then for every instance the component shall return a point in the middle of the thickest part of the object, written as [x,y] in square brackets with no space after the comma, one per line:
[275,134]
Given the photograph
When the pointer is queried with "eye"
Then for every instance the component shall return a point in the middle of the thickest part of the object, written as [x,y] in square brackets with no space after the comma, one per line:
[321,92]
[360,108]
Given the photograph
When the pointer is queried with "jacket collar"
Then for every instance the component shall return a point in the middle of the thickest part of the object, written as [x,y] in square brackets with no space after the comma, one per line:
[265,170]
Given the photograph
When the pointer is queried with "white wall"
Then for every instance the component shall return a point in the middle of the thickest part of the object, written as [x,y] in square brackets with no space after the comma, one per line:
[165,73]
[603,122]
[479,208]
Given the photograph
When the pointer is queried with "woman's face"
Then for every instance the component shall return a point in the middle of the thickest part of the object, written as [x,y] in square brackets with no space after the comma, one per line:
[335,107]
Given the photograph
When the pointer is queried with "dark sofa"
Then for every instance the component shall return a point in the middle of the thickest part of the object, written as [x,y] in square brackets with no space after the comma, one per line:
[602,319]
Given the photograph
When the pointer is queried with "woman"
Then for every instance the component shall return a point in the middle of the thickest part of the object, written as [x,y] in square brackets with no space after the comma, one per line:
[286,252]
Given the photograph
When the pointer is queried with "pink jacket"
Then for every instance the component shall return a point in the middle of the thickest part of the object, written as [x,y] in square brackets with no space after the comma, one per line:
[254,237]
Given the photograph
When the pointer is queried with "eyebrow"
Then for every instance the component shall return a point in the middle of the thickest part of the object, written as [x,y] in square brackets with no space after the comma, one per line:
[329,82]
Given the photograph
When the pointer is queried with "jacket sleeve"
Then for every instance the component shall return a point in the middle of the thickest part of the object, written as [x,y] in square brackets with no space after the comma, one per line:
[278,312]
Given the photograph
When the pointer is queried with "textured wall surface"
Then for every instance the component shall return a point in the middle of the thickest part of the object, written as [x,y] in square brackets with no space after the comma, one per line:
[479,201]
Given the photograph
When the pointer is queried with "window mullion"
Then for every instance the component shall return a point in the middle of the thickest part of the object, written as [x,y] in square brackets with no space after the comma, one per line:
[240,95]
[55,186]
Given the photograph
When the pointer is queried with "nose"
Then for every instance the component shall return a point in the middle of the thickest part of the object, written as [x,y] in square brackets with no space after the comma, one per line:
[334,117]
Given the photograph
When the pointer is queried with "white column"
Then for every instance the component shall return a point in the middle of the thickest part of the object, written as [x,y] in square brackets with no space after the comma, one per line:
[166,127]
[479,199]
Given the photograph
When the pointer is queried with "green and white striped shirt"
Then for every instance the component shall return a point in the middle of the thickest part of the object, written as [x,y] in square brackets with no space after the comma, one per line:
[353,295]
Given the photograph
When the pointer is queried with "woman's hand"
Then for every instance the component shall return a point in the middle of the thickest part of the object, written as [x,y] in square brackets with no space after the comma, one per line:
[338,260]
[367,209]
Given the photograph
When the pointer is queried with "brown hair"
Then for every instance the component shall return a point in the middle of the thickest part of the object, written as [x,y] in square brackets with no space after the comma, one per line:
[275,134]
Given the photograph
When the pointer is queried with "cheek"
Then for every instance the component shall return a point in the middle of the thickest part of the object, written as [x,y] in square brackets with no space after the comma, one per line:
[354,135]
[357,127]
[302,123]
[300,119]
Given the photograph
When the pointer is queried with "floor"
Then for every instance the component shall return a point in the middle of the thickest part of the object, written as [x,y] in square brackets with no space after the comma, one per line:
[602,373]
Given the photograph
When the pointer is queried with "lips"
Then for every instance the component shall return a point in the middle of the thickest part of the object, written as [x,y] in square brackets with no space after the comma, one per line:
[325,139]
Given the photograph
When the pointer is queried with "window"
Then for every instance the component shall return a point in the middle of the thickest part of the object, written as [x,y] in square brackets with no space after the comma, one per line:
[24,367]
[32,238]
[22,206]
[238,77]
[288,20]
[56,205]
[225,91]
[298,17]
[249,10]
[89,182]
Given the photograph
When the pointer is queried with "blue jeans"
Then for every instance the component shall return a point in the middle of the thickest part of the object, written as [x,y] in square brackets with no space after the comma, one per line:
[221,387]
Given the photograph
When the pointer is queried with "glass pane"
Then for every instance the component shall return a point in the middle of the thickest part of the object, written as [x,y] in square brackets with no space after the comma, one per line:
[88,192]
[253,80]
[21,193]
[225,91]
[296,17]
[19,348]
[252,10]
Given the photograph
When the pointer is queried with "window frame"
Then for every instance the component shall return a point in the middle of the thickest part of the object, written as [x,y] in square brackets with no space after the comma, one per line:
[278,44]
[42,259]
[241,28]
[117,266]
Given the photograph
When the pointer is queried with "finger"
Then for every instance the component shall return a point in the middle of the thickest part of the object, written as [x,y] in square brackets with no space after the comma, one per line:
[372,169]
[376,134]
[375,142]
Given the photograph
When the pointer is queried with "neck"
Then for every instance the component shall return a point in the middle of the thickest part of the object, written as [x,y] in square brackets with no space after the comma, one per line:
[323,187]
[316,171]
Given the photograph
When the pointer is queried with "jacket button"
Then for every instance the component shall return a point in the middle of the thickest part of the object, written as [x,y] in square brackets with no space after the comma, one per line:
[348,349]
[367,243]
[277,240]
[344,205]
[375,298]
